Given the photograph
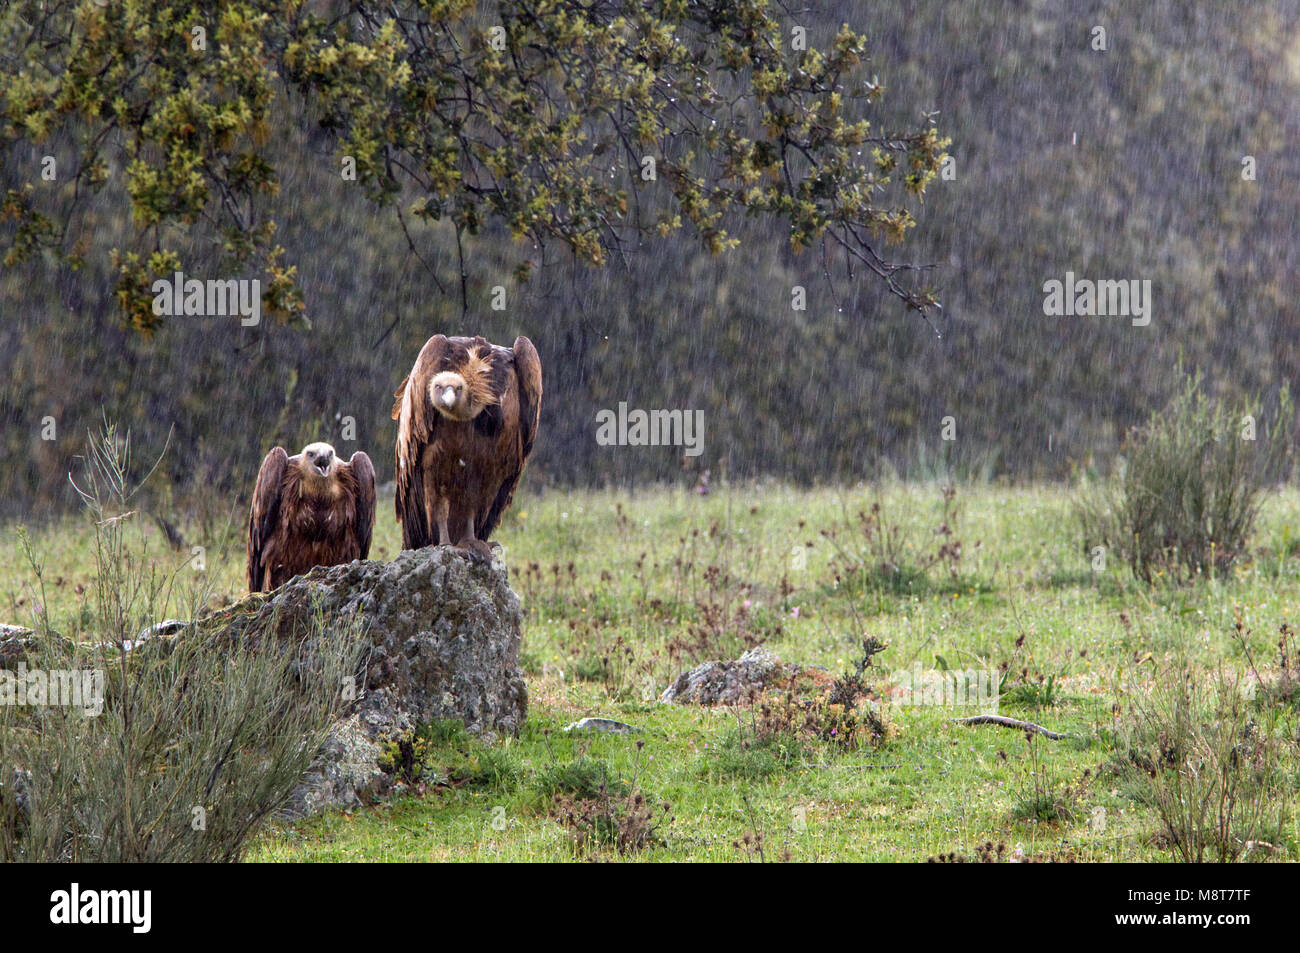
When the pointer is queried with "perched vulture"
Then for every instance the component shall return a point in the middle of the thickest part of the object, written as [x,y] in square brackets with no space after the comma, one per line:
[309,510]
[467,417]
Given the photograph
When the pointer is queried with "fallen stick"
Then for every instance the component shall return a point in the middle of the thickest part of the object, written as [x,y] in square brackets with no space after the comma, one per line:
[1006,722]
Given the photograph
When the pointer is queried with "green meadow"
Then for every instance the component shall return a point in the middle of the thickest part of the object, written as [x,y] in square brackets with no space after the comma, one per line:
[622,591]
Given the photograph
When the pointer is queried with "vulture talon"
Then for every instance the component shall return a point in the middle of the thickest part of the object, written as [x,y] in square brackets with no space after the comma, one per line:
[476,550]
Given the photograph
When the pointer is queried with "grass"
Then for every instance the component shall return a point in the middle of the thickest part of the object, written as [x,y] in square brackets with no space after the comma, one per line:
[622,591]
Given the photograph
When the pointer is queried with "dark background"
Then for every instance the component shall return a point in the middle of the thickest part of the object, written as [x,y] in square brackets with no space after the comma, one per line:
[848,389]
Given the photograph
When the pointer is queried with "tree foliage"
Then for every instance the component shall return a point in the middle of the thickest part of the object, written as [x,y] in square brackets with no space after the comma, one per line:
[587,124]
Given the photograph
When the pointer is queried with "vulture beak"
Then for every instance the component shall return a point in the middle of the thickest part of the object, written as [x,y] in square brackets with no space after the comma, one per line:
[449,397]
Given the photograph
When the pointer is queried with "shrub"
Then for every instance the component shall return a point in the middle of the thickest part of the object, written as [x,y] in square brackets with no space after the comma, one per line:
[604,811]
[990,853]
[1215,775]
[416,758]
[496,769]
[1190,487]
[745,752]
[406,757]
[198,739]
[584,778]
[1043,799]
[626,824]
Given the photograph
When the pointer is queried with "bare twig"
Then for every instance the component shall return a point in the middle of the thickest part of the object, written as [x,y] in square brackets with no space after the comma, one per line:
[1006,722]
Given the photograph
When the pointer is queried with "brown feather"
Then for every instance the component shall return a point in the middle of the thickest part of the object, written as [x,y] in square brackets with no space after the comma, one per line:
[399,394]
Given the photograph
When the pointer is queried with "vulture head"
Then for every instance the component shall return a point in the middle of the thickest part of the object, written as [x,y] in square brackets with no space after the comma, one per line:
[450,395]
[317,463]
[464,393]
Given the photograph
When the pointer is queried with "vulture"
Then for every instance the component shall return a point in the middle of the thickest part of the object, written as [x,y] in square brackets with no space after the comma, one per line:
[467,417]
[308,510]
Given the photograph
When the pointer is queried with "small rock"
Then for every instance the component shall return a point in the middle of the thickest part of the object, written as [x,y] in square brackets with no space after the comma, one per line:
[165,628]
[15,642]
[18,785]
[602,724]
[729,683]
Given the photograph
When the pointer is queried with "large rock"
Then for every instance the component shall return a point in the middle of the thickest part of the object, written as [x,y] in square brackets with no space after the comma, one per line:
[441,638]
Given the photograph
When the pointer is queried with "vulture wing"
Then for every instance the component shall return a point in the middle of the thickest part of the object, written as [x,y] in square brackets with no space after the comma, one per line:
[527,379]
[363,471]
[416,424]
[265,512]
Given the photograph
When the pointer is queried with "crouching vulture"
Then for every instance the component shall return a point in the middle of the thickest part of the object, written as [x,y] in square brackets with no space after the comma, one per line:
[311,509]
